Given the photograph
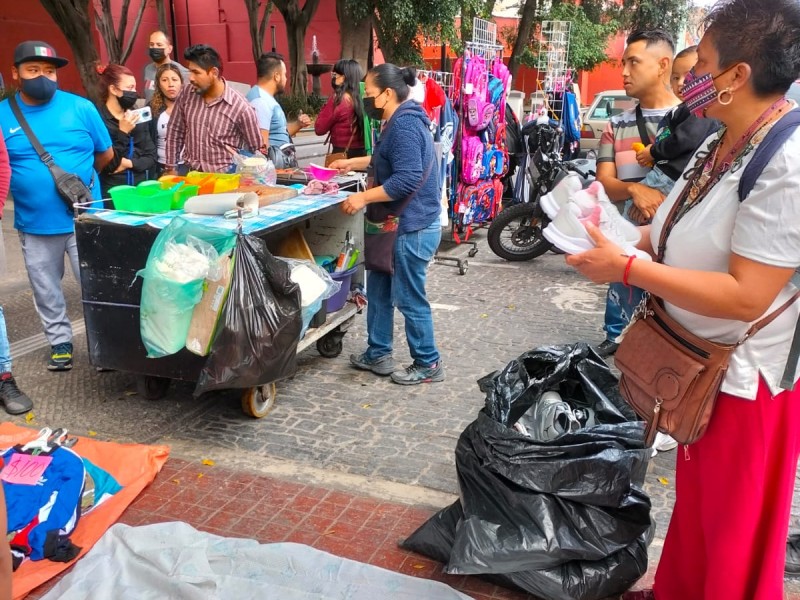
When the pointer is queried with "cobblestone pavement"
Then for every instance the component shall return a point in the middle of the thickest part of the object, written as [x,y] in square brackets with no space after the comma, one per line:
[358,429]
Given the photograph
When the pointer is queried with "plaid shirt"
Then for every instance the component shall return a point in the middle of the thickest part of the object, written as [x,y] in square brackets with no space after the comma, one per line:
[210,132]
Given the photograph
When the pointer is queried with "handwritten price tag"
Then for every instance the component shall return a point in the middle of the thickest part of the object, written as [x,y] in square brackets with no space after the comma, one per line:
[25,469]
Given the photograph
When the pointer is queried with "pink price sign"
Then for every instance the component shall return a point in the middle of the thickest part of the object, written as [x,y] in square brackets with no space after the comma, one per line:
[25,469]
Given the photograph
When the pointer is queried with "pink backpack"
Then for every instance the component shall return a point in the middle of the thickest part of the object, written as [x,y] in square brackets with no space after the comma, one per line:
[479,111]
[471,158]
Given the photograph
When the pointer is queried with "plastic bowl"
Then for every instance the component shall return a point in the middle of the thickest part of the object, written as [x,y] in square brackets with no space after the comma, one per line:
[322,173]
[144,198]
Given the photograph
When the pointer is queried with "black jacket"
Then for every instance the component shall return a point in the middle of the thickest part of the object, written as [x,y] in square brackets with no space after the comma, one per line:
[143,155]
[680,135]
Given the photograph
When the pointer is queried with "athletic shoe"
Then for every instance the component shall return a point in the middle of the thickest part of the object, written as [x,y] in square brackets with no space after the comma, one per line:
[60,357]
[606,348]
[14,400]
[380,366]
[562,193]
[663,443]
[792,564]
[549,418]
[568,230]
[414,374]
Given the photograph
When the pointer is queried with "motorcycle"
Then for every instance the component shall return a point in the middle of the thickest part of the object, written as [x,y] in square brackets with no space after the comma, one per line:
[516,232]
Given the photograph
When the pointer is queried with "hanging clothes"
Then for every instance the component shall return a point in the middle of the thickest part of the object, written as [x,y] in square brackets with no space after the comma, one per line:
[571,125]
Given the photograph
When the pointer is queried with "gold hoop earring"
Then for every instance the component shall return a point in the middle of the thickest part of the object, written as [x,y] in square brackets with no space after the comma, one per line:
[730,97]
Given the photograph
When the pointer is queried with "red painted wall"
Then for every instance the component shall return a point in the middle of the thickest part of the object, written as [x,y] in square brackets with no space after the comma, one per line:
[220,23]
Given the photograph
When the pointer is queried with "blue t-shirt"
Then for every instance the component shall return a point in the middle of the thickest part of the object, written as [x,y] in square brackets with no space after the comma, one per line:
[270,116]
[71,130]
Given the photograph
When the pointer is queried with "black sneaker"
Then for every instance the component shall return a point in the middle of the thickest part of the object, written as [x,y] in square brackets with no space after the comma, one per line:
[60,357]
[14,401]
[380,366]
[607,348]
[415,374]
[792,564]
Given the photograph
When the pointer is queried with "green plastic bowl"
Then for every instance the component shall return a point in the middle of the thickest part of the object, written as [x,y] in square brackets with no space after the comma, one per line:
[182,194]
[144,198]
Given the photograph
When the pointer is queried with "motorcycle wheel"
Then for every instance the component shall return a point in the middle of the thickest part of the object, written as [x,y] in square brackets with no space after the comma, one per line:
[516,233]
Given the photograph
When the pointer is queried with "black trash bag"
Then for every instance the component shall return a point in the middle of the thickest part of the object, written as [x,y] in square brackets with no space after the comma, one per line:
[256,340]
[553,506]
[574,580]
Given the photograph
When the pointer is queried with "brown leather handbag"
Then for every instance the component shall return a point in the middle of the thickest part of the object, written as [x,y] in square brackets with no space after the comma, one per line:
[332,157]
[670,376]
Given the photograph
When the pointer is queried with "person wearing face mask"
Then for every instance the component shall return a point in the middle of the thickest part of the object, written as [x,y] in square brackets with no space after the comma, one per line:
[343,114]
[210,120]
[169,87]
[405,200]
[72,131]
[134,151]
[160,52]
[727,262]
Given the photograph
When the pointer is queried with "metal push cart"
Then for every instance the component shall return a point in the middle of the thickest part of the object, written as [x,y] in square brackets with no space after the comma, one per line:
[111,253]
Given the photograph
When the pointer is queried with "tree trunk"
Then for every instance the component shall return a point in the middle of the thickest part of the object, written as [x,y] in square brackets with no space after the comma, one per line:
[257,24]
[161,9]
[298,80]
[118,50]
[354,35]
[297,20]
[74,20]
[526,23]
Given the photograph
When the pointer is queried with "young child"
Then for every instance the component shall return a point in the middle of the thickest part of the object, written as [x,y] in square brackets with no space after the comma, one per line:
[679,133]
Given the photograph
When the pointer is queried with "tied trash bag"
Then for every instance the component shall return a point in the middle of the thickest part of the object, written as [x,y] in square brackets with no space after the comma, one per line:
[561,517]
[182,256]
[256,339]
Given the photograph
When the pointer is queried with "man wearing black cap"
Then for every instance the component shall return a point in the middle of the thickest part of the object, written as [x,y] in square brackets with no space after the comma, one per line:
[71,130]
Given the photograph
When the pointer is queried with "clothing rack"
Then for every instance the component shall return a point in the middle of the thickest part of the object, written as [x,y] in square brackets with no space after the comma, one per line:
[443,78]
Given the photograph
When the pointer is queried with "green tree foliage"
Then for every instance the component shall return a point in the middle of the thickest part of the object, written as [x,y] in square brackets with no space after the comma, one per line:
[398,24]
[588,38]
[669,15]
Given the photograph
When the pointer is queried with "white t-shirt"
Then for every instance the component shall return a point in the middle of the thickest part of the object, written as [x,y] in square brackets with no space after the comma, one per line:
[764,228]
[161,130]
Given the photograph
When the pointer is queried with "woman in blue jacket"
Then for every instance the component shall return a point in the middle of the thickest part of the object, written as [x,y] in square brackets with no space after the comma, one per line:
[402,227]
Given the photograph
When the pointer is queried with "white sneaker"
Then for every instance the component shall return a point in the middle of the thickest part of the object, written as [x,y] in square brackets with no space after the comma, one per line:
[663,443]
[562,193]
[567,231]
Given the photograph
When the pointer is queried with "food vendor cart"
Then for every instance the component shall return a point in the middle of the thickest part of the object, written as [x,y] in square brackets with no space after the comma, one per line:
[113,246]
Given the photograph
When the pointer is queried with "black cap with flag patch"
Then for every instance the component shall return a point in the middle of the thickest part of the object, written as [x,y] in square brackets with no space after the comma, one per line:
[37,51]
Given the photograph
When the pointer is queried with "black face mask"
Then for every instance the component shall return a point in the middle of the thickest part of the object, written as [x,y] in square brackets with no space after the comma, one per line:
[39,88]
[127,100]
[372,111]
[157,54]
[336,86]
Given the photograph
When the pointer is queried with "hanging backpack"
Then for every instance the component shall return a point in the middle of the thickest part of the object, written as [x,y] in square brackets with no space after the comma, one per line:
[471,158]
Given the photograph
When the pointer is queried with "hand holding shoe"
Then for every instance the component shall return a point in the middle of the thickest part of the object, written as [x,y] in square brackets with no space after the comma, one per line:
[603,264]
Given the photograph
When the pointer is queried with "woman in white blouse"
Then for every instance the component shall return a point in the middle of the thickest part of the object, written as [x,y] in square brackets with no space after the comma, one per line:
[727,264]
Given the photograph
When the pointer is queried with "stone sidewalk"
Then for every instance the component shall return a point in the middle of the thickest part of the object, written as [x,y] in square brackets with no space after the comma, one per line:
[340,428]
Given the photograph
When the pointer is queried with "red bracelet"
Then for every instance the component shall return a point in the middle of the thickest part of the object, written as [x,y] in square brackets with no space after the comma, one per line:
[627,272]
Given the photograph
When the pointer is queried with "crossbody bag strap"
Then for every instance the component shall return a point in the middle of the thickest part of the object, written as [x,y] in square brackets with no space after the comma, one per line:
[643,133]
[44,155]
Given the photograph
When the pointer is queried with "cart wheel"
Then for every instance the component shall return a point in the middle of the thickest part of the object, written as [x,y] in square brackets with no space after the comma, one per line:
[152,388]
[331,345]
[473,252]
[462,268]
[259,401]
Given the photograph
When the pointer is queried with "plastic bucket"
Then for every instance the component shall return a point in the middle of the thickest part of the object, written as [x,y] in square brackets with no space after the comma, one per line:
[337,301]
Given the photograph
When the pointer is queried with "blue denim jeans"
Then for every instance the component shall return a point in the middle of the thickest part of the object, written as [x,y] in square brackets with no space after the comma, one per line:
[5,350]
[658,180]
[405,290]
[621,301]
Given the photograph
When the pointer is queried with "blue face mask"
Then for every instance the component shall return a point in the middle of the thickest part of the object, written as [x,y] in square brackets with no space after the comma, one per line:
[39,88]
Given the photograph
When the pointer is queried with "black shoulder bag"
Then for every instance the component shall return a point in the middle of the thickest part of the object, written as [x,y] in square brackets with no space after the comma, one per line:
[69,186]
[643,134]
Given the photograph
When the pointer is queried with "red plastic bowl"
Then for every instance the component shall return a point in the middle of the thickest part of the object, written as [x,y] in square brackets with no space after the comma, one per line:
[322,173]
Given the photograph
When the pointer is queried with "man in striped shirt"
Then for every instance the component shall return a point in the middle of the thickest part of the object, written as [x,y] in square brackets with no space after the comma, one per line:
[210,121]
[647,68]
